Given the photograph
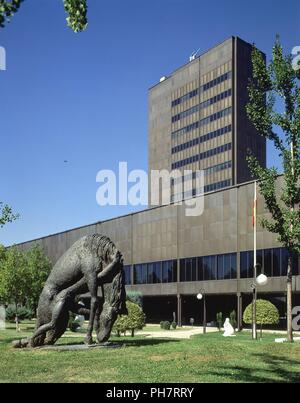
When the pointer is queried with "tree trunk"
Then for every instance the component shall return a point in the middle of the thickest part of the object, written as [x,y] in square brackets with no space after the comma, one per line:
[132,332]
[289,301]
[17,318]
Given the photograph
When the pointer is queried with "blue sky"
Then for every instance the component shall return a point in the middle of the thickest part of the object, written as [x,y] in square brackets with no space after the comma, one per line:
[83,97]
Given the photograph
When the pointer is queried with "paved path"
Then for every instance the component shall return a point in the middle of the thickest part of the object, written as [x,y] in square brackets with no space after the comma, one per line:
[175,334]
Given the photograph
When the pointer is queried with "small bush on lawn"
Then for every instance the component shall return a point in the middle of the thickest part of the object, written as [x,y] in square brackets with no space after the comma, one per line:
[233,320]
[266,314]
[219,320]
[174,325]
[166,325]
[134,320]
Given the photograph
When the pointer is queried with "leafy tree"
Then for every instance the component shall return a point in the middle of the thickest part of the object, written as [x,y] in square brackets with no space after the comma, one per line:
[2,252]
[6,214]
[7,10]
[134,320]
[271,86]
[77,10]
[13,279]
[38,267]
[266,314]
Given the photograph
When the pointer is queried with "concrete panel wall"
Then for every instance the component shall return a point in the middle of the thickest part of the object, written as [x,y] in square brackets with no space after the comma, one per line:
[166,232]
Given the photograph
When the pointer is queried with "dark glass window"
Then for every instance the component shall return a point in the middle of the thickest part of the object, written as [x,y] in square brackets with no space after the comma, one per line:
[227,266]
[200,276]
[165,271]
[127,274]
[157,275]
[233,265]
[214,268]
[220,267]
[207,267]
[194,269]
[182,270]
[250,264]
[188,269]
[140,274]
[284,261]
[150,273]
[276,262]
[267,268]
[169,271]
[173,271]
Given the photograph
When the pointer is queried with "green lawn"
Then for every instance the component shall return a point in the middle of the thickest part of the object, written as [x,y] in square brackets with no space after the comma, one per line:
[205,358]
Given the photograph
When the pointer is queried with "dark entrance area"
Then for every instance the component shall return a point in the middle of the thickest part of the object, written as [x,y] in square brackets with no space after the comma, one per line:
[193,308]
[164,308]
[160,308]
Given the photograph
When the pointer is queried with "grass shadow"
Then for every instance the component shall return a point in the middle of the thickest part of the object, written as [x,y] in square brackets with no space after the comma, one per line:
[278,369]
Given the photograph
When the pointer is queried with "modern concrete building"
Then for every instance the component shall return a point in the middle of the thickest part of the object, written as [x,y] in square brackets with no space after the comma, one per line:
[198,120]
[169,256]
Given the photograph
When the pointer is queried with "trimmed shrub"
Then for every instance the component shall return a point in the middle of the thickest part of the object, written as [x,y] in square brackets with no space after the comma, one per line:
[166,325]
[174,325]
[134,320]
[232,319]
[219,320]
[266,314]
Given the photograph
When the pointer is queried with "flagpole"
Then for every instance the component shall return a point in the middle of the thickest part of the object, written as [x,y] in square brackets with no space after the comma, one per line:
[254,327]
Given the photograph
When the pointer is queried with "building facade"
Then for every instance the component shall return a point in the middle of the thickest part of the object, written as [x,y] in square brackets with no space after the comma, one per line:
[198,121]
[169,256]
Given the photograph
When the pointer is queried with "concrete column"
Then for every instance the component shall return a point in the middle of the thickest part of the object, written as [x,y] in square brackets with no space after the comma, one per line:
[179,310]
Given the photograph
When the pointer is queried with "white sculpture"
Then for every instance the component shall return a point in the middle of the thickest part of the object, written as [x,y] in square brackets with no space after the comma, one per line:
[228,329]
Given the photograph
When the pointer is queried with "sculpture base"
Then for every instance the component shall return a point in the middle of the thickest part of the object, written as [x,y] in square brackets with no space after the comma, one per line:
[72,347]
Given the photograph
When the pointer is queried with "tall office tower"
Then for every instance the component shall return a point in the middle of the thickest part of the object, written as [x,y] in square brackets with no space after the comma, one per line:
[198,120]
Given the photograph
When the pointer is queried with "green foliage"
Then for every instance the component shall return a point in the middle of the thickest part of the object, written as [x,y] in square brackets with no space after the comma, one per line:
[23,312]
[7,10]
[77,10]
[73,324]
[6,214]
[38,267]
[13,277]
[275,84]
[166,325]
[23,275]
[174,325]
[136,297]
[266,313]
[134,320]
[219,320]
[232,319]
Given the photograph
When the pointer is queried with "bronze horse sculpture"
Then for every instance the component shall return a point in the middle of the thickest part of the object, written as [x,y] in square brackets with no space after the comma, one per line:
[91,263]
